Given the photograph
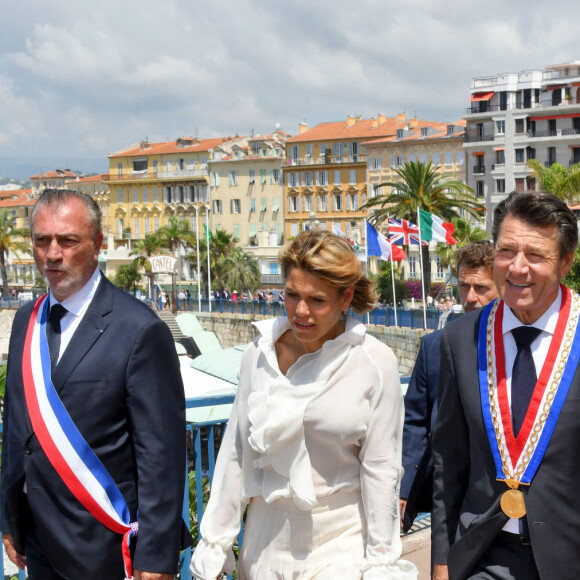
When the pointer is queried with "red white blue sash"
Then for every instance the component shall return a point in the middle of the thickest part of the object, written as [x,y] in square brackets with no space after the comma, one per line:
[519,457]
[68,452]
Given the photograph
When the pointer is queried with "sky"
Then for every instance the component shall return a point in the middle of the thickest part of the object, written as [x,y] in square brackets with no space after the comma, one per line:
[84,79]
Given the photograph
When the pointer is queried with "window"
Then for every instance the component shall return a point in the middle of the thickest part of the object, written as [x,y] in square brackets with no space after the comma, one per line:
[411,158]
[294,152]
[294,179]
[168,165]
[145,195]
[264,204]
[500,127]
[352,202]
[252,204]
[461,158]
[155,166]
[450,130]
[139,165]
[275,176]
[293,203]
[262,176]
[136,226]
[135,195]
[294,230]
[276,206]
[520,126]
[399,133]
[252,175]
[500,185]
[423,158]
[307,204]
[412,267]
[377,163]
[322,178]
[233,177]
[439,273]
[155,195]
[500,157]
[322,203]
[338,152]
[146,224]
[307,179]
[479,189]
[253,230]
[531,151]
[236,231]
[337,202]
[119,195]
[337,177]
[435,158]
[449,158]
[308,150]
[352,175]
[235,205]
[156,221]
[424,131]
[119,170]
[551,155]
[520,156]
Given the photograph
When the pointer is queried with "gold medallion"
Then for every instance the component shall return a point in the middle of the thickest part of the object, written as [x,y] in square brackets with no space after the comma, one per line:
[512,503]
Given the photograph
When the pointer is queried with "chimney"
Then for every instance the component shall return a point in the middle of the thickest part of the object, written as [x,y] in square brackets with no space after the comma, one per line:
[413,123]
[350,121]
[302,128]
[374,123]
[381,119]
[359,118]
[401,117]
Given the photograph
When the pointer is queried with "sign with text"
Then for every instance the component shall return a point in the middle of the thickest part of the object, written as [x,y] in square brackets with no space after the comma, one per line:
[162,264]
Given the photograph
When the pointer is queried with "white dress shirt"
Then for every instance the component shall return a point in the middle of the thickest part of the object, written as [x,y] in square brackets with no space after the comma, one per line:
[333,422]
[76,306]
[539,347]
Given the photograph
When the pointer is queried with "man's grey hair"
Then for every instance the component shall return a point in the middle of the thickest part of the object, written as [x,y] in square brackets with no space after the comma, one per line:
[54,198]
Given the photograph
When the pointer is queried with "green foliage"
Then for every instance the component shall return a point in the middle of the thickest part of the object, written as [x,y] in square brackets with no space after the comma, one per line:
[557,180]
[12,239]
[385,285]
[127,277]
[242,270]
[572,279]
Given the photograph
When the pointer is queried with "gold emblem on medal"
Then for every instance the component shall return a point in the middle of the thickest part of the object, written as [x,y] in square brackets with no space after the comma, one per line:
[512,503]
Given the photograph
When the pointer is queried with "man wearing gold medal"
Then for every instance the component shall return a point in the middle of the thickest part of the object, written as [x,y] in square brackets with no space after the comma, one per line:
[506,472]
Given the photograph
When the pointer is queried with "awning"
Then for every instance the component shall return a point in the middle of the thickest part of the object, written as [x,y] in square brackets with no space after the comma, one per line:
[546,118]
[499,149]
[554,87]
[481,96]
[477,153]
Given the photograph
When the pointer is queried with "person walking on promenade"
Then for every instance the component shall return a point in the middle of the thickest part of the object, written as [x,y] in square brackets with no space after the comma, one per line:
[94,417]
[505,502]
[474,267]
[313,445]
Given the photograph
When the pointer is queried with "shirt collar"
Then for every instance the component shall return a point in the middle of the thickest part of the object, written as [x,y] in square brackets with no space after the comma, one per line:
[79,301]
[546,322]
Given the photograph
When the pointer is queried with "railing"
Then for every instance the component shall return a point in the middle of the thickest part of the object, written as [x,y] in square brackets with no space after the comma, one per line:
[406,317]
[476,137]
[478,169]
[182,173]
[326,159]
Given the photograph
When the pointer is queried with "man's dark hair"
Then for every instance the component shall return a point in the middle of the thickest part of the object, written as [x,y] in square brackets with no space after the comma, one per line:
[475,255]
[539,209]
[57,197]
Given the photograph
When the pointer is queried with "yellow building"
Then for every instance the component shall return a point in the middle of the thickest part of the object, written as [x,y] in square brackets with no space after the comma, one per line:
[151,182]
[325,174]
[424,141]
[51,179]
[97,187]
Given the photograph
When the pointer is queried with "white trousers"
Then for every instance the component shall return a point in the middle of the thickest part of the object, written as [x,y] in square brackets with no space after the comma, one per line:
[282,542]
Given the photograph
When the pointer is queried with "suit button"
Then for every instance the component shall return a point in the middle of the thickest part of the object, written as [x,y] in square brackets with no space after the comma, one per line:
[28,449]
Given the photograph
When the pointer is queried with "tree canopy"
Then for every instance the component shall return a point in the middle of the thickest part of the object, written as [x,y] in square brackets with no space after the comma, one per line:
[12,239]
[557,180]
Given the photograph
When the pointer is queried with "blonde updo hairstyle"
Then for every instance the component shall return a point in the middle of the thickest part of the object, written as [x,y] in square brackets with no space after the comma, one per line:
[331,258]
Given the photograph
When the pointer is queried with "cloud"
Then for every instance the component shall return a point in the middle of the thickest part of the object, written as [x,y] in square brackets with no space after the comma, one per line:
[92,79]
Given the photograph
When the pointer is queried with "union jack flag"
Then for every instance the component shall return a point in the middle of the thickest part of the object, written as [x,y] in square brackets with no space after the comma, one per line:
[403,232]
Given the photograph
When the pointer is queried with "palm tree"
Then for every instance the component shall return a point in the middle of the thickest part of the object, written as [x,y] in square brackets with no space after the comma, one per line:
[127,277]
[173,236]
[561,182]
[242,270]
[464,233]
[143,249]
[13,240]
[421,186]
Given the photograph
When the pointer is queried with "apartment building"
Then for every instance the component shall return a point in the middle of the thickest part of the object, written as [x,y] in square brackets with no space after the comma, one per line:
[50,179]
[514,117]
[416,140]
[325,173]
[97,187]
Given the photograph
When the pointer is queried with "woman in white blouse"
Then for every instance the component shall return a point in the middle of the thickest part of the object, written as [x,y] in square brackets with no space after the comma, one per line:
[313,445]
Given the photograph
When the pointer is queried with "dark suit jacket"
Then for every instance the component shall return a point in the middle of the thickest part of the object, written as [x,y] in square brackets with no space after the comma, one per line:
[420,413]
[466,512]
[120,381]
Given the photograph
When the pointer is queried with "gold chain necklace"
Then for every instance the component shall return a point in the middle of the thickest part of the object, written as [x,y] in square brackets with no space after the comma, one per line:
[512,501]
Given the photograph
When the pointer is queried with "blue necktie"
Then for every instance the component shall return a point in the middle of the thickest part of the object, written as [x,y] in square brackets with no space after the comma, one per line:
[524,376]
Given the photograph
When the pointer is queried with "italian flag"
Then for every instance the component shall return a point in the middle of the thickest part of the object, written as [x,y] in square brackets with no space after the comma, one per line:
[434,229]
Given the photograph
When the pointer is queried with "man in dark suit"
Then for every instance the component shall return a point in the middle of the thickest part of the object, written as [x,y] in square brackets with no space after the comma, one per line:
[117,375]
[474,267]
[506,501]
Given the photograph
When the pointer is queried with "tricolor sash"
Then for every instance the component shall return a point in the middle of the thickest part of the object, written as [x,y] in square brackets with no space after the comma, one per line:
[518,458]
[68,452]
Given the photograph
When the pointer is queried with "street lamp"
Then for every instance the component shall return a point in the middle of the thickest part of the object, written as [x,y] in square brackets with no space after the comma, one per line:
[314,223]
[197,253]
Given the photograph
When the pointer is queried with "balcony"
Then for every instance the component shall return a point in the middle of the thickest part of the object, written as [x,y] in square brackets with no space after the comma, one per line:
[548,133]
[182,174]
[272,279]
[325,160]
[478,169]
[156,176]
[478,137]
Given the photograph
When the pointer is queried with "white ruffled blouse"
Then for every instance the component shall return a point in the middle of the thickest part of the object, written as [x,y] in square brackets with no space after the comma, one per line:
[333,422]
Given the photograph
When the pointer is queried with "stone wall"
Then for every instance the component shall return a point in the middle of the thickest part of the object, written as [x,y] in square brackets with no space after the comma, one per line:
[233,329]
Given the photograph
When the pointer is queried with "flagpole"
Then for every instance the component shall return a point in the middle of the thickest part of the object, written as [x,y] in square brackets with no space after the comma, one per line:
[423,288]
[208,259]
[367,259]
[393,281]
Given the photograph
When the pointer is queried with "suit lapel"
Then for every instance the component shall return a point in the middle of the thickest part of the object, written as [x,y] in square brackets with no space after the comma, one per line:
[93,325]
